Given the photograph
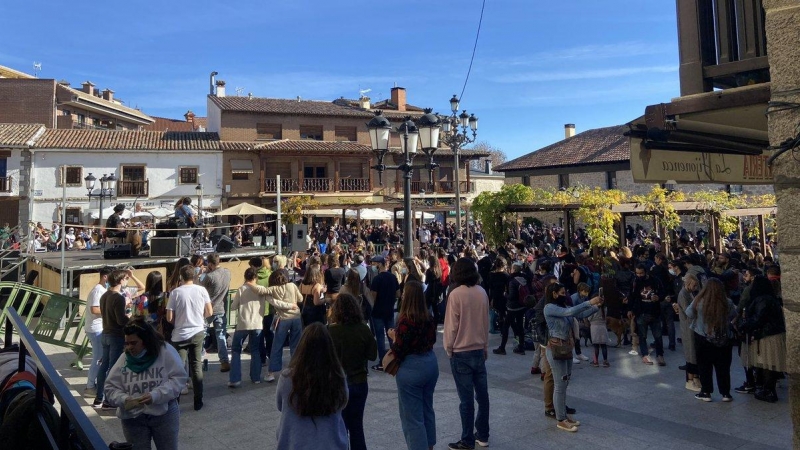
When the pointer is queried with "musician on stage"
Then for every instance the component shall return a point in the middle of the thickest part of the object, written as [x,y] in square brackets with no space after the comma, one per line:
[184,212]
[115,231]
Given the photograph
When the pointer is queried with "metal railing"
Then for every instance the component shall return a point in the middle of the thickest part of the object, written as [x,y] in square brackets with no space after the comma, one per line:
[127,188]
[437,187]
[71,415]
[317,184]
[354,185]
[5,184]
[287,185]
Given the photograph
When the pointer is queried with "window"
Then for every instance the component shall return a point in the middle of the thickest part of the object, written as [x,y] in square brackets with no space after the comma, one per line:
[241,169]
[74,175]
[73,216]
[734,189]
[132,183]
[311,132]
[81,118]
[526,180]
[611,180]
[345,134]
[268,131]
[563,180]
[314,172]
[188,175]
[240,176]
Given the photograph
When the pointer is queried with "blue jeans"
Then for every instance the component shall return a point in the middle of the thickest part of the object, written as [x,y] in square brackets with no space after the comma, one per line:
[416,381]
[255,355]
[562,371]
[643,322]
[469,373]
[291,327]
[112,350]
[353,414]
[163,430]
[382,325]
[96,339]
[218,321]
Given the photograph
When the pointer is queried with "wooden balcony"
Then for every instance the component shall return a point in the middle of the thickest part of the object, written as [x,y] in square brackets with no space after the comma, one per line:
[354,185]
[318,185]
[437,187]
[287,185]
[5,184]
[133,188]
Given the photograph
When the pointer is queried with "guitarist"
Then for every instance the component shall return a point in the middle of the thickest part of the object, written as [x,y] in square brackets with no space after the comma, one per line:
[184,212]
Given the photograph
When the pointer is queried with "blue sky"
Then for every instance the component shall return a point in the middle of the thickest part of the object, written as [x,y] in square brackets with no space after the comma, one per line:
[538,65]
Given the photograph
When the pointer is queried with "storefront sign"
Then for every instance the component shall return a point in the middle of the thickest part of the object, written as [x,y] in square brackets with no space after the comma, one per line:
[659,166]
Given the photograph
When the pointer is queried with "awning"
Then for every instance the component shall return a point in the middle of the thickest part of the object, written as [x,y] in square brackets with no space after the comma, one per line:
[241,166]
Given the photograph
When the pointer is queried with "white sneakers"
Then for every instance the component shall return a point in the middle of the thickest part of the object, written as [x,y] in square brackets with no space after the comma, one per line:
[576,361]
[633,352]
[583,357]
[690,385]
[269,378]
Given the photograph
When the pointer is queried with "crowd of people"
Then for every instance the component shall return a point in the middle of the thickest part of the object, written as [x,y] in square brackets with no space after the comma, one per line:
[337,304]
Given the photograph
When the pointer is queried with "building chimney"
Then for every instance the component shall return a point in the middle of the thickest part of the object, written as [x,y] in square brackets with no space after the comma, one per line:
[108,94]
[220,88]
[363,102]
[569,130]
[64,83]
[88,87]
[189,116]
[399,98]
[488,167]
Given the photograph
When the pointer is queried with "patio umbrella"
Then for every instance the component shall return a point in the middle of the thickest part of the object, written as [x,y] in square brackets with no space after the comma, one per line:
[159,212]
[417,215]
[370,214]
[244,209]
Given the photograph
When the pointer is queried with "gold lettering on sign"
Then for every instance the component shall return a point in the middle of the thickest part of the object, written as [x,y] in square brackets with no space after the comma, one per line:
[755,167]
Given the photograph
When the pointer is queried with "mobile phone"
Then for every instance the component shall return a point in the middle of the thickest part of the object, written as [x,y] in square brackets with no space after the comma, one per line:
[600,292]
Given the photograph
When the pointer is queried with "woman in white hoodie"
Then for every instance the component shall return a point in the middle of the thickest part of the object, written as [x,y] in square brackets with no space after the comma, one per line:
[144,385]
[281,294]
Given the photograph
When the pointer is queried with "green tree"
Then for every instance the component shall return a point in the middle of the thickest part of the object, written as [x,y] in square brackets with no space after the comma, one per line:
[292,208]
[490,208]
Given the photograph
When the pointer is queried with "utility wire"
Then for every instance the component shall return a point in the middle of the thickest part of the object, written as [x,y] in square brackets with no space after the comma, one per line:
[474,48]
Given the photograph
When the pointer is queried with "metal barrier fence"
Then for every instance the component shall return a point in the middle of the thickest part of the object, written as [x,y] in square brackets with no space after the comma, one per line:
[71,414]
[57,316]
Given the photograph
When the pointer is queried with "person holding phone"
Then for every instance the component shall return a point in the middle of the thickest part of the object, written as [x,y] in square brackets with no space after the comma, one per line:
[144,384]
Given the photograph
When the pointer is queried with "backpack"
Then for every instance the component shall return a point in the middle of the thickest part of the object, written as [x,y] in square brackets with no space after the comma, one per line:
[524,294]
[720,338]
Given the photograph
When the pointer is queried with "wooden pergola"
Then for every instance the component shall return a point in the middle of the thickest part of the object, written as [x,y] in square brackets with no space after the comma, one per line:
[637,209]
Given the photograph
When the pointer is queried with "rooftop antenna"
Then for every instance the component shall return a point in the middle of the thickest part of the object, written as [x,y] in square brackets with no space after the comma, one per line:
[363,92]
[37,67]
[239,91]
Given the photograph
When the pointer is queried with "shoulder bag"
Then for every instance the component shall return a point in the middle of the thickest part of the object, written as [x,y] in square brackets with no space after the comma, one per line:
[390,363]
[560,348]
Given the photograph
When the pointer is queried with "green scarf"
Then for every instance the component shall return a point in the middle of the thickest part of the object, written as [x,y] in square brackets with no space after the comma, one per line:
[141,363]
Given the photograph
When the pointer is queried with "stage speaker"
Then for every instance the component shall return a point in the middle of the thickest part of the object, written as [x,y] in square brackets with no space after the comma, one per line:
[224,245]
[184,245]
[117,251]
[164,246]
[298,237]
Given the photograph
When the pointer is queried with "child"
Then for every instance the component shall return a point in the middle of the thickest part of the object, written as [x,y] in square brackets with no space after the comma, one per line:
[599,332]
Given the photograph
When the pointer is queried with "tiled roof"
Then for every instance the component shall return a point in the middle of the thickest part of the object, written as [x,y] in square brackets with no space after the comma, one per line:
[166,124]
[19,134]
[314,146]
[336,108]
[601,145]
[128,140]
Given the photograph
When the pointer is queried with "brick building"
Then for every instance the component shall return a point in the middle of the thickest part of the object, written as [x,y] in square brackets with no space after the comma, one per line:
[319,148]
[25,99]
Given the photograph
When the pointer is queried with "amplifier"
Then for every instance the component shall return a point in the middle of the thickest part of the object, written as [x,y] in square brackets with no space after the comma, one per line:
[117,251]
[170,246]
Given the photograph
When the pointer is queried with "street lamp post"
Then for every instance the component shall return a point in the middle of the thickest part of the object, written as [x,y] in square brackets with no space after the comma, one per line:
[456,138]
[425,133]
[199,190]
[107,184]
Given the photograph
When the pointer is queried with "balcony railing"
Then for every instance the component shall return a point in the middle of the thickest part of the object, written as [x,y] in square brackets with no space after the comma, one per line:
[5,184]
[354,185]
[127,188]
[437,187]
[317,184]
[287,185]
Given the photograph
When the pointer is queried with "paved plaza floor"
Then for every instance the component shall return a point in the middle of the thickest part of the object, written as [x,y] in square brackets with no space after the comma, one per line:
[627,406]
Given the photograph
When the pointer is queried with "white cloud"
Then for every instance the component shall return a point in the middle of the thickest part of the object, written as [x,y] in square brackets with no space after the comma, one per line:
[584,53]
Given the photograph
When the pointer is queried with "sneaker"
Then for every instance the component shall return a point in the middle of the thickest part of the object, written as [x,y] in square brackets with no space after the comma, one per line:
[90,392]
[703,396]
[97,404]
[745,389]
[690,386]
[727,398]
[460,446]
[570,411]
[576,361]
[377,367]
[185,390]
[606,364]
[234,384]
[256,381]
[633,352]
[269,378]
[583,357]
[482,443]
[519,350]
[647,360]
[661,361]
[550,413]
[224,367]
[683,367]
[107,407]
[499,351]
[765,396]
[566,426]
[594,364]
[535,371]
[577,423]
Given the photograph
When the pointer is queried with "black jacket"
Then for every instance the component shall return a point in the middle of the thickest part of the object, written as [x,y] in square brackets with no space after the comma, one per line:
[637,301]
[764,318]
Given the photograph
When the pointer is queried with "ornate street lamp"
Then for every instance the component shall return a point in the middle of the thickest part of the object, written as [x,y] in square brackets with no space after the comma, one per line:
[199,190]
[456,138]
[107,184]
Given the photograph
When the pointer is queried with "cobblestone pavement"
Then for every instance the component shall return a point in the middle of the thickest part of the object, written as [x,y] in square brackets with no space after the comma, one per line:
[627,406]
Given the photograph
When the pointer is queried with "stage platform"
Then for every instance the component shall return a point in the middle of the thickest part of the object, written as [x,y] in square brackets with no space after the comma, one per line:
[81,267]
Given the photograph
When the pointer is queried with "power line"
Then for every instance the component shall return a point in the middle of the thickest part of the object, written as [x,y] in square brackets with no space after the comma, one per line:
[474,48]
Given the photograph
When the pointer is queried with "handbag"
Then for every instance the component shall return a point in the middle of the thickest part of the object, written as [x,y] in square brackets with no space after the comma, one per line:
[390,363]
[560,348]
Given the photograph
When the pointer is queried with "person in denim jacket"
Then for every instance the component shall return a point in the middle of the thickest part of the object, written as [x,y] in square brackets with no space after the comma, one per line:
[559,323]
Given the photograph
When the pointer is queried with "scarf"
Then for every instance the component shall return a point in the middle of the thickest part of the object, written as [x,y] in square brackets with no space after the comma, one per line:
[139,364]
